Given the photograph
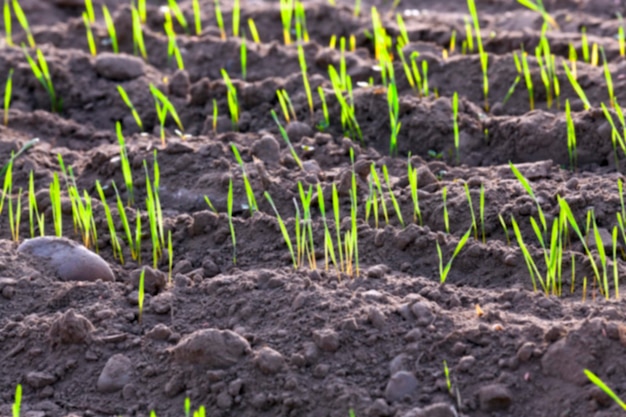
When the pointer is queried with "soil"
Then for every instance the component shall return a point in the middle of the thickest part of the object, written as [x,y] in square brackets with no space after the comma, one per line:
[258,337]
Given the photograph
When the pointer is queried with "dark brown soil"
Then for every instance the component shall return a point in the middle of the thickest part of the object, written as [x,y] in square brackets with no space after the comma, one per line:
[258,338]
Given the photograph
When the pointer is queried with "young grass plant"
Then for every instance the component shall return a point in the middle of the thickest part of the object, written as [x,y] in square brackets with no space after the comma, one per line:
[445,270]
[455,124]
[571,137]
[8,91]
[141,293]
[283,230]
[23,21]
[126,171]
[130,105]
[233,102]
[115,242]
[220,20]
[413,184]
[8,32]
[231,226]
[164,107]
[252,204]
[108,20]
[17,401]
[91,41]
[576,86]
[605,388]
[138,42]
[283,134]
[41,72]
[484,58]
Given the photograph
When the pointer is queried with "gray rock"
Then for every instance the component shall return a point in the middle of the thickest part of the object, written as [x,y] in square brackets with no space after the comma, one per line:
[423,312]
[119,67]
[267,149]
[425,176]
[269,361]
[40,379]
[70,328]
[401,385]
[376,317]
[224,401]
[159,332]
[179,84]
[566,360]
[69,260]
[297,130]
[433,410]
[327,340]
[494,397]
[117,372]
[162,303]
[212,348]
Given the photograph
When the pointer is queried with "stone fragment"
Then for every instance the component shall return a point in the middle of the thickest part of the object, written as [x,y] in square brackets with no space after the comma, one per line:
[327,340]
[401,385]
[162,303]
[494,397]
[70,328]
[117,372]
[297,130]
[159,332]
[179,84]
[119,67]
[212,348]
[266,149]
[69,260]
[40,379]
[423,313]
[566,360]
[269,361]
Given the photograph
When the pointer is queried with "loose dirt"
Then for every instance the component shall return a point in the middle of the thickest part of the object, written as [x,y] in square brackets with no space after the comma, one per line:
[260,338]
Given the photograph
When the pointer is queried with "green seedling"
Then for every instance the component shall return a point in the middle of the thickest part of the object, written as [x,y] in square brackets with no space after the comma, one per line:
[220,20]
[55,203]
[233,102]
[576,86]
[393,103]
[197,16]
[89,10]
[392,196]
[115,242]
[23,21]
[455,124]
[571,137]
[126,171]
[141,293]
[170,255]
[329,247]
[446,220]
[243,56]
[286,15]
[254,33]
[594,55]
[529,81]
[484,58]
[538,7]
[173,51]
[337,218]
[468,195]
[91,42]
[616,137]
[8,92]
[41,72]
[305,78]
[138,43]
[444,271]
[608,78]
[215,115]
[506,230]
[614,235]
[283,230]
[178,14]
[108,20]
[187,407]
[524,182]
[231,226]
[153,219]
[130,105]
[236,17]
[33,210]
[413,184]
[252,204]
[348,116]
[132,243]
[622,41]
[403,39]
[283,134]
[164,107]
[302,34]
[481,202]
[286,105]
[15,216]
[376,181]
[584,41]
[17,402]
[326,122]
[446,373]
[6,11]
[605,388]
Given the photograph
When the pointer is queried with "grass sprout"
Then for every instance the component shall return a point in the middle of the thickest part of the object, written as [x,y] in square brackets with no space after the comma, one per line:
[23,21]
[42,73]
[283,230]
[605,388]
[252,204]
[8,92]
[283,134]
[445,270]
[130,105]
[108,20]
